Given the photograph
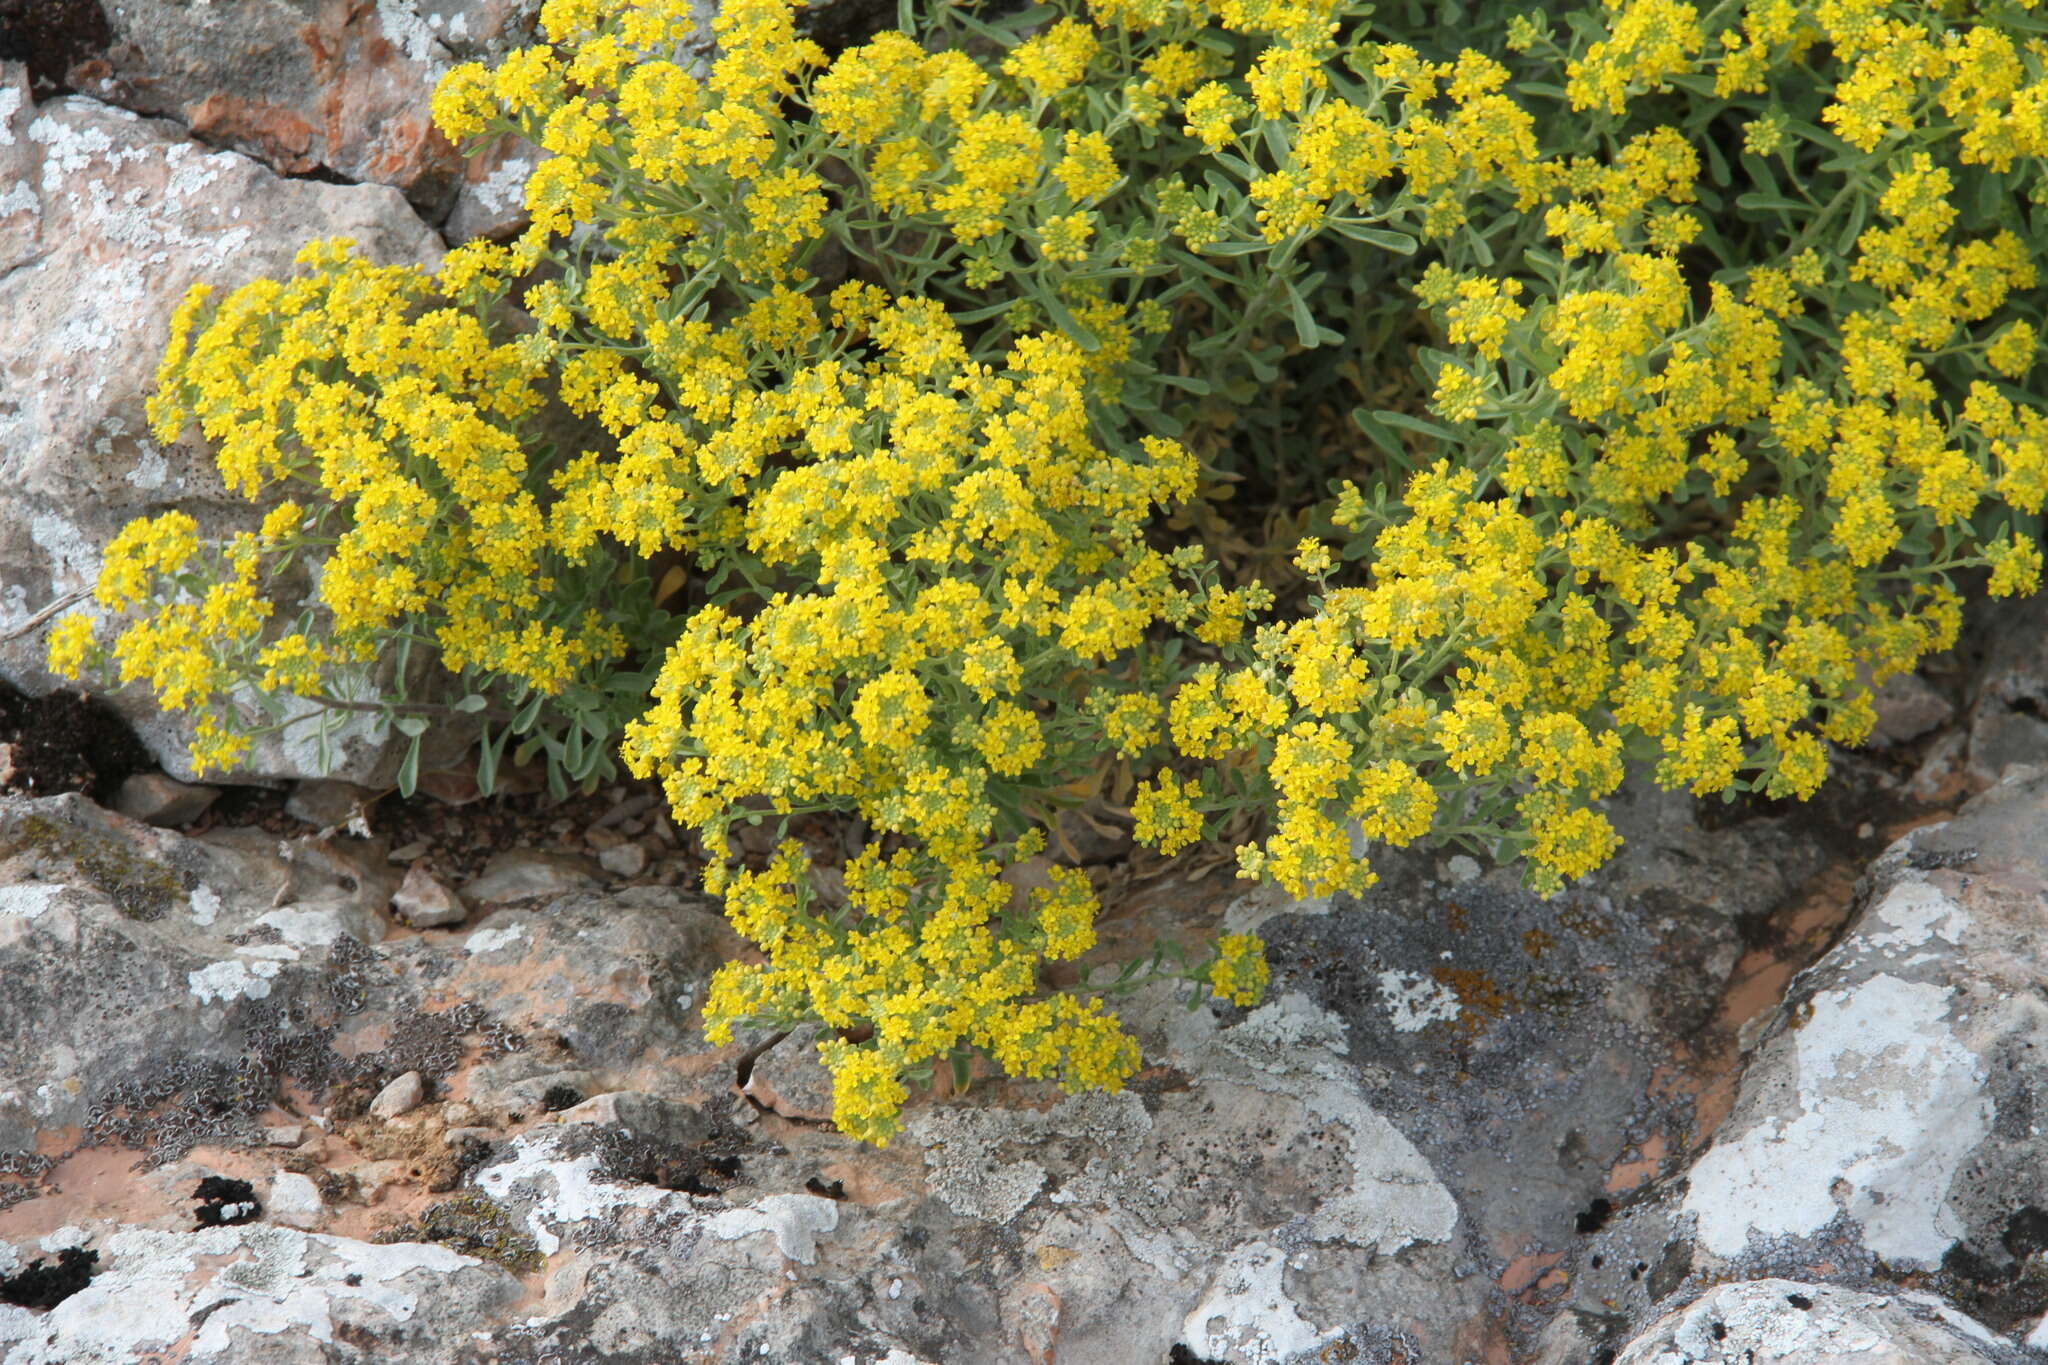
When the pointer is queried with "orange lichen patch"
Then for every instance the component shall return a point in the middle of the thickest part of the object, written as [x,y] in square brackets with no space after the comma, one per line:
[277,134]
[1649,1160]
[1482,1000]
[1537,942]
[1526,1269]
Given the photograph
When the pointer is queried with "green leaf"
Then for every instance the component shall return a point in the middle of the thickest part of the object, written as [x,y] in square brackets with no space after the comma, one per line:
[1398,242]
[1064,318]
[414,726]
[1415,424]
[487,753]
[409,769]
[1759,201]
[471,704]
[528,714]
[1305,329]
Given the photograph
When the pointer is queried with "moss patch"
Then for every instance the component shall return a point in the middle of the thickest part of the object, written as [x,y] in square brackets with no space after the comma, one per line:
[475,1226]
[140,889]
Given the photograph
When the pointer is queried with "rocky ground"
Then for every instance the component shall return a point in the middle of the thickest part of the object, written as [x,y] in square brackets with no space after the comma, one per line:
[296,1071]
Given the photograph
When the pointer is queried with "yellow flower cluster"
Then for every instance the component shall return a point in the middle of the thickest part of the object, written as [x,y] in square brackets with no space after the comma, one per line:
[934,360]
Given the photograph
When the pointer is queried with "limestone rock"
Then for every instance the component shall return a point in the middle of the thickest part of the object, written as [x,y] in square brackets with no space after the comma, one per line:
[424,902]
[790,1079]
[1781,1322]
[327,804]
[307,85]
[123,214]
[1908,706]
[295,1201]
[527,874]
[157,799]
[258,1294]
[2008,714]
[623,860]
[1885,1096]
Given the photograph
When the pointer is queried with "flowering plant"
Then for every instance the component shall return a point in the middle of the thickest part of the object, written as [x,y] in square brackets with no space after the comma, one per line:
[1639,391]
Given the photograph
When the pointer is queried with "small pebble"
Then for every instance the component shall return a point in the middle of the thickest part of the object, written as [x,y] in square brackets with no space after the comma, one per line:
[401,1096]
[424,902]
[455,1137]
[418,848]
[623,860]
[161,800]
[285,1135]
[295,1201]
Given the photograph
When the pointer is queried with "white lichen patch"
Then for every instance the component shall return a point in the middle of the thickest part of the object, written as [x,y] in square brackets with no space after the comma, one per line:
[489,940]
[236,978]
[30,900]
[1414,1002]
[963,1148]
[1889,1105]
[206,905]
[410,34]
[73,556]
[153,1287]
[20,197]
[1917,912]
[504,189]
[314,928]
[1246,1313]
[560,1190]
[1281,1067]
[795,1220]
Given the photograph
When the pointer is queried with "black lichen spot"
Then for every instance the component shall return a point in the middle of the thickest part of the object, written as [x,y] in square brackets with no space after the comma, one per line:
[224,1202]
[2026,1232]
[1720,1331]
[42,1285]
[1799,1301]
[556,1098]
[1181,1355]
[825,1189]
[475,1226]
[702,1169]
[1595,1217]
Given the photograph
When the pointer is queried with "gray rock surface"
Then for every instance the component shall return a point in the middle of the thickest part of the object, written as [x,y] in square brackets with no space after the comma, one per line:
[522,874]
[1780,1322]
[307,85]
[260,1294]
[424,902]
[110,217]
[1886,1133]
[159,799]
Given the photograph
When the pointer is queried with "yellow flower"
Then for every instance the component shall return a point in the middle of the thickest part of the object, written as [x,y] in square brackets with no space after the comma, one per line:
[71,645]
[1239,973]
[1166,815]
